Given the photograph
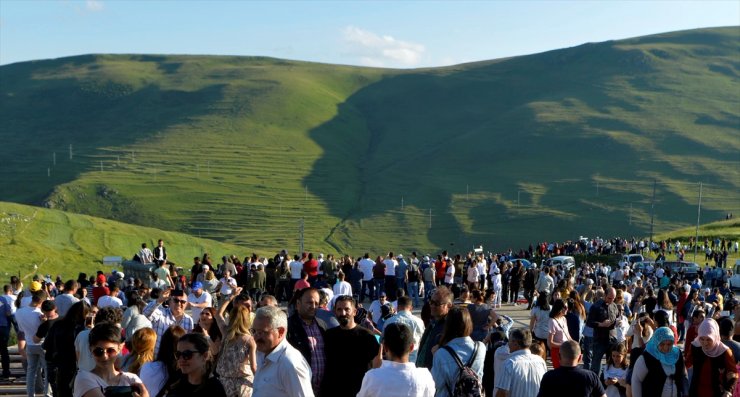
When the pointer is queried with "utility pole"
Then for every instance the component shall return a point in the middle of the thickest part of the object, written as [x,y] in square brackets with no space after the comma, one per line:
[698,218]
[300,236]
[652,212]
[518,192]
[54,158]
[70,151]
[430,218]
[401,203]
[133,158]
[48,172]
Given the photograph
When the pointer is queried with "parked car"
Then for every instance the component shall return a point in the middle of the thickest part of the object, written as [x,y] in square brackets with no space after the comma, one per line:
[633,258]
[565,261]
[526,263]
[735,279]
[690,270]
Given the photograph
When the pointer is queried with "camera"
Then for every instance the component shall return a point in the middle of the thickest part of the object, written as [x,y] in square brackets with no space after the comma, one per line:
[119,391]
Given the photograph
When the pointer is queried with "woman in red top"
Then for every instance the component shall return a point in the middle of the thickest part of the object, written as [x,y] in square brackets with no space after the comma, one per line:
[715,373]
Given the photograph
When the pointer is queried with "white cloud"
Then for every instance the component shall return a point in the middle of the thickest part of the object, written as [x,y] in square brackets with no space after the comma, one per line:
[94,5]
[376,50]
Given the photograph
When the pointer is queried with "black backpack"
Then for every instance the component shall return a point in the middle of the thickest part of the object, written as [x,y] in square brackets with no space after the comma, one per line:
[468,383]
[413,273]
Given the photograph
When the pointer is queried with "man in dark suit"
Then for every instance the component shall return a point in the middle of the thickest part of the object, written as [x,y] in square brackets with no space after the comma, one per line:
[160,253]
[306,334]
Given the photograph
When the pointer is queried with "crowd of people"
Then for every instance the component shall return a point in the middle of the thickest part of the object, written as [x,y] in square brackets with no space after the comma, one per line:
[313,325]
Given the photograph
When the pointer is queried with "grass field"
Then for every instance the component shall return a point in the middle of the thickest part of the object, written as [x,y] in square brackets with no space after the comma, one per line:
[38,240]
[241,149]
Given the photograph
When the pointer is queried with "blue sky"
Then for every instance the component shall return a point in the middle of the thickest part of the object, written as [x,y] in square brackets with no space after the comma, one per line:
[404,34]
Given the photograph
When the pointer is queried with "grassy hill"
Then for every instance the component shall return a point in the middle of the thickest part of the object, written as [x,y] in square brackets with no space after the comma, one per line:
[240,149]
[63,243]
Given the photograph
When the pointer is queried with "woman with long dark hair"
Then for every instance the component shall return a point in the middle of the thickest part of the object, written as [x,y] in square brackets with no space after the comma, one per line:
[480,312]
[558,331]
[195,362]
[539,322]
[208,326]
[456,345]
[158,375]
[61,341]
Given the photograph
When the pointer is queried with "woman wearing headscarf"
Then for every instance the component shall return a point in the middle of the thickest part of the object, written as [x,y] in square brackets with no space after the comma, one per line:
[660,369]
[715,373]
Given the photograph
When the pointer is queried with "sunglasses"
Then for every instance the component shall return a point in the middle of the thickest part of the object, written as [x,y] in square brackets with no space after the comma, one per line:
[185,354]
[433,302]
[180,301]
[99,351]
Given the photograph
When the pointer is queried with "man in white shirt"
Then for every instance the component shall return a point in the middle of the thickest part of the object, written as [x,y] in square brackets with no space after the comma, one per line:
[366,267]
[398,375]
[29,319]
[406,317]
[342,287]
[375,307]
[281,368]
[296,266]
[145,255]
[67,299]
[390,275]
[110,300]
[198,299]
[522,372]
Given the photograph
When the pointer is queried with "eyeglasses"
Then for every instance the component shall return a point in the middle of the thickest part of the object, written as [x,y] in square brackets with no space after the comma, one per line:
[185,354]
[260,332]
[433,302]
[99,351]
[180,301]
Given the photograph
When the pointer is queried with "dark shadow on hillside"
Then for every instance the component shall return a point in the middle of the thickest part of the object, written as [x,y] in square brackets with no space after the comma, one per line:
[41,116]
[426,135]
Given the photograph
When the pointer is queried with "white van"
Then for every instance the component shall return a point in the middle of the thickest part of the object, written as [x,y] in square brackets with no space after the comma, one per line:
[565,261]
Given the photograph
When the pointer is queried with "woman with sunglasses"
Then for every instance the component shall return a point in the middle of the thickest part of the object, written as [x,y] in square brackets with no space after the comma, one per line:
[194,359]
[105,345]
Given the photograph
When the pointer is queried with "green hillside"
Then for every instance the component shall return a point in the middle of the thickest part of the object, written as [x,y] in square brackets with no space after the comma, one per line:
[240,149]
[58,242]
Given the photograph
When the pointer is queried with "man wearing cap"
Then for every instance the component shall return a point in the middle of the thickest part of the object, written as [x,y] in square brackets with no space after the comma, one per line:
[162,318]
[199,300]
[401,272]
[376,307]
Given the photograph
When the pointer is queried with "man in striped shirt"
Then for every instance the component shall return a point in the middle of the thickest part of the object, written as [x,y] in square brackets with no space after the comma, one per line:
[522,372]
[162,318]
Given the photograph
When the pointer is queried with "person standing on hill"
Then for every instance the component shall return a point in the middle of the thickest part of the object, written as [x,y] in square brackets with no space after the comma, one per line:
[160,253]
[145,255]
